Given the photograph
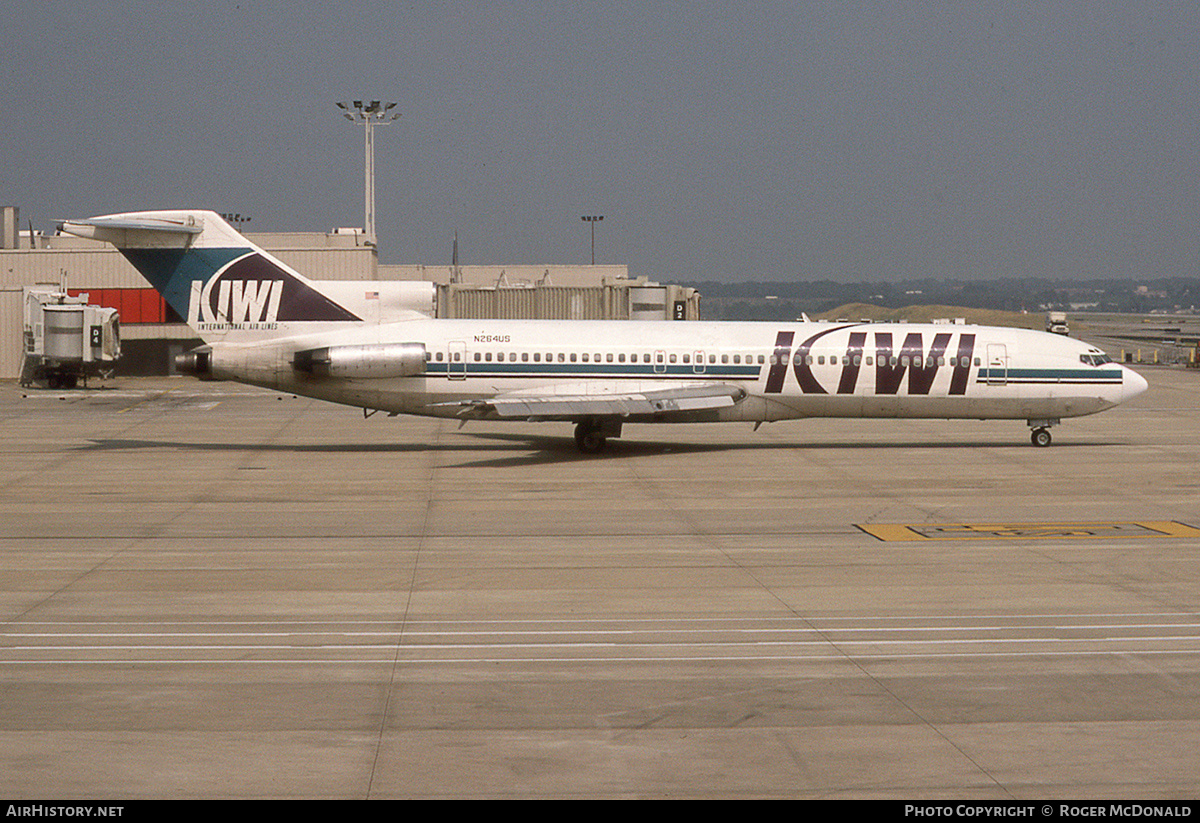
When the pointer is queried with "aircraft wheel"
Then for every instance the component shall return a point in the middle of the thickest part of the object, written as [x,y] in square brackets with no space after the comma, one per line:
[588,440]
[1040,437]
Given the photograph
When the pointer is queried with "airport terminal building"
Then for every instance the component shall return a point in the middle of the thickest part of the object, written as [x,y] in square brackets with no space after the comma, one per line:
[152,334]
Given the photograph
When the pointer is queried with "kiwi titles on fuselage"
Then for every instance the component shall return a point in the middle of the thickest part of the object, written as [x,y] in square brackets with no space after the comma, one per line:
[890,366]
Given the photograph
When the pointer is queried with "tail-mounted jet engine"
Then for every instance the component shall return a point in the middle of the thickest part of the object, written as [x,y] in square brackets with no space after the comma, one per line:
[363,362]
[197,362]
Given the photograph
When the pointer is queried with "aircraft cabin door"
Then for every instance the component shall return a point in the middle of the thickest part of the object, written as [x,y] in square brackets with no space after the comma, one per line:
[997,364]
[456,357]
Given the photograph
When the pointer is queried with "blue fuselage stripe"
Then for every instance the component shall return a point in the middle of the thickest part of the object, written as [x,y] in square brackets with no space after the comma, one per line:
[589,370]
[1050,376]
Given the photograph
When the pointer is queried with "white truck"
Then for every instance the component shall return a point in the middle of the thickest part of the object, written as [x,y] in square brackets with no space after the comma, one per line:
[66,339]
[1056,322]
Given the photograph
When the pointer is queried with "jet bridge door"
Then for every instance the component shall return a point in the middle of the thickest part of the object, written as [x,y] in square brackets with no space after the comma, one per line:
[997,364]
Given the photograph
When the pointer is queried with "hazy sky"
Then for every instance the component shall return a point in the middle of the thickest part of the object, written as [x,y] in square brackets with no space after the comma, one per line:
[770,141]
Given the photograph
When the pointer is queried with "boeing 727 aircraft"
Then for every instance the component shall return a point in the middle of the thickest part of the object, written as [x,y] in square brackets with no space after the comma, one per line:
[266,325]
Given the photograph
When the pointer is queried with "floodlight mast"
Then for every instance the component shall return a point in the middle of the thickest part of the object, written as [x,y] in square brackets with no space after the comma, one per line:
[370,115]
[593,219]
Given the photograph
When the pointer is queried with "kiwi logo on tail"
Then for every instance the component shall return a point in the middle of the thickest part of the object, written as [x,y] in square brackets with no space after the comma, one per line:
[255,290]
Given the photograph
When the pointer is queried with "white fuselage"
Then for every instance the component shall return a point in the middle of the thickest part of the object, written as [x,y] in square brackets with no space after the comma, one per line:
[787,370]
[268,325]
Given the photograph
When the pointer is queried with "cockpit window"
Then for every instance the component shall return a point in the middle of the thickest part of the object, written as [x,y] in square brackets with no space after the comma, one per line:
[1095,359]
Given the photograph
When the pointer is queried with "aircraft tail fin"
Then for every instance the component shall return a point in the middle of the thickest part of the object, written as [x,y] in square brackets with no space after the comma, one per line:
[224,285]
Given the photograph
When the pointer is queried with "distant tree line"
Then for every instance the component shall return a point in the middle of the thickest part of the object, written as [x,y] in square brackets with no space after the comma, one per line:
[787,300]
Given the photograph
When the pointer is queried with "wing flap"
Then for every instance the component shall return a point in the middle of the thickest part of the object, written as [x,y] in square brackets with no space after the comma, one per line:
[657,402]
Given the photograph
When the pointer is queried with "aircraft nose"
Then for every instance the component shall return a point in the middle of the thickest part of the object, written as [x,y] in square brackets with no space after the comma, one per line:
[1132,385]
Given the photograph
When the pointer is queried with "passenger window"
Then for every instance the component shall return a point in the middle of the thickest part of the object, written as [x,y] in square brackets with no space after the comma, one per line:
[537,357]
[477,357]
[672,358]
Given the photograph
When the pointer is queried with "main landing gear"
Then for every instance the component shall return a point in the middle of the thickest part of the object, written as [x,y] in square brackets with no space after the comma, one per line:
[1040,432]
[591,436]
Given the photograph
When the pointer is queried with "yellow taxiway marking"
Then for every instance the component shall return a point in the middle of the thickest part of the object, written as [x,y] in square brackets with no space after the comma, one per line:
[1028,531]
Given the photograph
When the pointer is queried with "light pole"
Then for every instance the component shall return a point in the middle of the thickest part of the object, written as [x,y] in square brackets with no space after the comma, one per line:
[370,115]
[593,219]
[236,219]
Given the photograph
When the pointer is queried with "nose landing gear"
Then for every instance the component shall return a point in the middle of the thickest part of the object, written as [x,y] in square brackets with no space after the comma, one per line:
[1040,434]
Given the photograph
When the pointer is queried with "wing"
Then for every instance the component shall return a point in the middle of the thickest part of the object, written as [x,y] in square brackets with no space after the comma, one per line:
[590,400]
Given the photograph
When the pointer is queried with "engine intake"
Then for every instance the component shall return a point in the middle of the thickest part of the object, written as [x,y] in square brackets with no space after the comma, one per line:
[373,361]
